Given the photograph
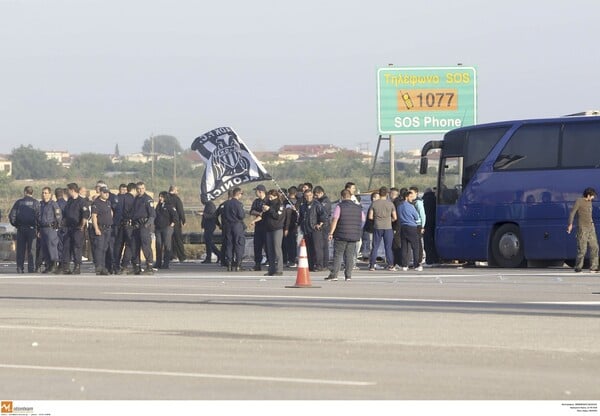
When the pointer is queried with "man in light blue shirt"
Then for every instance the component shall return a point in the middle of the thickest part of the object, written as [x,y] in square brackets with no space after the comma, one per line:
[409,221]
[418,203]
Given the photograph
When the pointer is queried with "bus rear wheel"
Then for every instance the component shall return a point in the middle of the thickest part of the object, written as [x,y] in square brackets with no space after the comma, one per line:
[507,247]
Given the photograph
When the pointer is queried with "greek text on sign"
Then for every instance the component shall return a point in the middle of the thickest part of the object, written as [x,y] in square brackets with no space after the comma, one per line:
[425,100]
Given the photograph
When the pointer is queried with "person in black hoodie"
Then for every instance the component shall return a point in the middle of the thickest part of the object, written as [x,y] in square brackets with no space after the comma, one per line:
[322,197]
[312,219]
[209,225]
[164,224]
[274,217]
[290,230]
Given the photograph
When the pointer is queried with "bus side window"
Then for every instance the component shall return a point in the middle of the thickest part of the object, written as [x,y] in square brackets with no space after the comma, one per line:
[580,146]
[533,146]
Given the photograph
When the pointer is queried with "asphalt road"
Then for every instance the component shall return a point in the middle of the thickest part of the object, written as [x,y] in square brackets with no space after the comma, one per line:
[197,332]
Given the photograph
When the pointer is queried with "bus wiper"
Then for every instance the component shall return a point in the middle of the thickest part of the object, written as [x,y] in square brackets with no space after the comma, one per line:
[505,161]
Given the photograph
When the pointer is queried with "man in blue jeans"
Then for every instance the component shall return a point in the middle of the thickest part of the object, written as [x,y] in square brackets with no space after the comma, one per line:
[409,221]
[346,229]
[383,213]
[24,216]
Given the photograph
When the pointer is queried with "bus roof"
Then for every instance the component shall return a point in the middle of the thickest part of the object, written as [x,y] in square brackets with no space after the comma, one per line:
[570,117]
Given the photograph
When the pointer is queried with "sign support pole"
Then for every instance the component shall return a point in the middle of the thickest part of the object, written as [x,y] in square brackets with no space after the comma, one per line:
[374,171]
[392,163]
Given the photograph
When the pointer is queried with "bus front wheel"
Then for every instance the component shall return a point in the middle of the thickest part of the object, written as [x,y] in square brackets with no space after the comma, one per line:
[507,246]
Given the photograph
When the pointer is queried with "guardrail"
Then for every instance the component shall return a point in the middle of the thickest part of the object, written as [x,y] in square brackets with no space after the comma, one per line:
[198,238]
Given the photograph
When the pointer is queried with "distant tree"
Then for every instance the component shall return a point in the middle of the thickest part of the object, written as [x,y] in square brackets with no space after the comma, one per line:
[316,171]
[127,166]
[164,168]
[164,144]
[5,180]
[90,165]
[117,153]
[30,163]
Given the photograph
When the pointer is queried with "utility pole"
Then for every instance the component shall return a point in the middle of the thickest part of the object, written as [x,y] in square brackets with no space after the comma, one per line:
[392,163]
[392,157]
[374,170]
[174,167]
[152,156]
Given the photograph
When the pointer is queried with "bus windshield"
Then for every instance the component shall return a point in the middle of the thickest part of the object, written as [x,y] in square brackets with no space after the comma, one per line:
[451,179]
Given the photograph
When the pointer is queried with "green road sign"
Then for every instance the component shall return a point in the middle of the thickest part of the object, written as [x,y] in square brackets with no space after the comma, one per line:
[425,100]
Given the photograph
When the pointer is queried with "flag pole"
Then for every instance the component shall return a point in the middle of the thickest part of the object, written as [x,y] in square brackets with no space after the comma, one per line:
[284,193]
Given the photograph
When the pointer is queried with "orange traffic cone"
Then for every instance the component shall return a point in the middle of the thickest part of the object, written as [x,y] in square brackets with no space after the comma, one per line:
[303,276]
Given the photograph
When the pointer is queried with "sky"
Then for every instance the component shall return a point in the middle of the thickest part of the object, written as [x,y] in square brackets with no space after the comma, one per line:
[86,75]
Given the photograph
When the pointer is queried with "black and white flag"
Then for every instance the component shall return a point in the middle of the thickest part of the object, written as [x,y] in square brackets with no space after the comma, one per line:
[229,162]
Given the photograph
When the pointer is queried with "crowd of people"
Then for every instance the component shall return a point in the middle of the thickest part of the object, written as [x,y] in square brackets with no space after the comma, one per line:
[282,218]
[115,229]
[393,231]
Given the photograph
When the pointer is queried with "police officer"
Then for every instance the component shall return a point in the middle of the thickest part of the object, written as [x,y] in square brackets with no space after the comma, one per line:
[312,220]
[209,225]
[76,215]
[24,215]
[117,229]
[125,246]
[260,229]
[87,251]
[223,226]
[110,262]
[233,216]
[143,220]
[61,199]
[102,220]
[49,223]
[178,247]
[164,224]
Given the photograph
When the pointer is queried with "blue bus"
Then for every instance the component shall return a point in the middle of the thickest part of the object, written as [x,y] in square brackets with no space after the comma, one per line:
[505,189]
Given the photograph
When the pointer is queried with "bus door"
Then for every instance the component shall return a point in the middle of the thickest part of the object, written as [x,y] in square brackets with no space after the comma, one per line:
[459,222]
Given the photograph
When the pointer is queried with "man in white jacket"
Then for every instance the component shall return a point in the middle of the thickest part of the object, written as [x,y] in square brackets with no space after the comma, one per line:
[418,203]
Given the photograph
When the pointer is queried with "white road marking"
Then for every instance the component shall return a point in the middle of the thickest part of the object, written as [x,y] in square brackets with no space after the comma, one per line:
[221,295]
[190,375]
[74,329]
[402,343]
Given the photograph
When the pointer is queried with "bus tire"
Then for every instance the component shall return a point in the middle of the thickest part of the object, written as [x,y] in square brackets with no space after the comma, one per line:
[507,247]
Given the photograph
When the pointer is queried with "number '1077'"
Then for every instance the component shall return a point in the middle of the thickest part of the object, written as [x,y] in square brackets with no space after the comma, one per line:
[428,100]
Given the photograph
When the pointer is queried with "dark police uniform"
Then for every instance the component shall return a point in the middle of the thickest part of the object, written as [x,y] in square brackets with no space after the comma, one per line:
[118,234]
[62,230]
[260,233]
[111,263]
[143,220]
[310,215]
[233,217]
[178,247]
[166,214]
[124,238]
[209,225]
[103,210]
[24,215]
[220,222]
[49,222]
[76,214]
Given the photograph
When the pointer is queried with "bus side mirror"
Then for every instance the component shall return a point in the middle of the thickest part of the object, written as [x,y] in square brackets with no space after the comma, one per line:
[424,163]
